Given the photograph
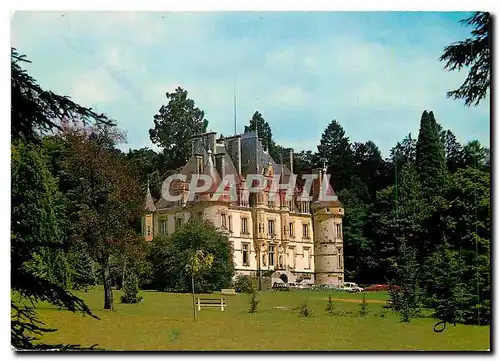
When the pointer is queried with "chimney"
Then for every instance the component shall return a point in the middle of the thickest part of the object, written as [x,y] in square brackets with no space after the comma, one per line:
[317,181]
[209,141]
[220,164]
[195,143]
[233,145]
[199,164]
[288,158]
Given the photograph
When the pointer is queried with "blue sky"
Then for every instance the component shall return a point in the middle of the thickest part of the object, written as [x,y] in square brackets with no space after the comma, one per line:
[375,72]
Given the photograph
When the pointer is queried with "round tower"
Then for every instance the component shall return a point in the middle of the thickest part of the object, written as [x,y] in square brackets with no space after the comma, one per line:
[328,243]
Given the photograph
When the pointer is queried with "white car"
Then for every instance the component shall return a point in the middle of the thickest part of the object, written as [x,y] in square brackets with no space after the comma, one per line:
[350,287]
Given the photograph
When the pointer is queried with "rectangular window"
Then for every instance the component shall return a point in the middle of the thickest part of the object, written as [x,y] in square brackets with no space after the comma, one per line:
[270,226]
[290,227]
[307,258]
[305,231]
[178,223]
[230,220]
[244,251]
[339,255]
[244,225]
[339,231]
[149,231]
[291,257]
[163,226]
[223,220]
[271,255]
[290,206]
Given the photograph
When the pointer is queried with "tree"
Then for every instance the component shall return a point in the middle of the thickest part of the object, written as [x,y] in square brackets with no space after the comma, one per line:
[35,111]
[198,262]
[34,226]
[106,196]
[259,124]
[368,166]
[304,161]
[473,53]
[406,297]
[334,149]
[131,288]
[453,150]
[359,250]
[474,155]
[448,292]
[169,256]
[151,168]
[175,124]
[430,155]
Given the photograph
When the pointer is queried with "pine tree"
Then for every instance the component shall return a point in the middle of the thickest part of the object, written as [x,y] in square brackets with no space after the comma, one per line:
[453,150]
[406,296]
[448,292]
[430,156]
[131,288]
[473,53]
[335,150]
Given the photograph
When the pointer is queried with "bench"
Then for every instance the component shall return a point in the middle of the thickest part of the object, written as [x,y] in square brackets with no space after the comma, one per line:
[228,291]
[211,302]
[280,287]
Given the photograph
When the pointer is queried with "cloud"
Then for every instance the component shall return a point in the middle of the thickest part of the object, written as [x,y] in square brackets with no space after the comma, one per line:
[94,88]
[290,96]
[299,70]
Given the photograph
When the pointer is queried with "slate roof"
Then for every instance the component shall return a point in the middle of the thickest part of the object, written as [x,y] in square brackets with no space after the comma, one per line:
[254,160]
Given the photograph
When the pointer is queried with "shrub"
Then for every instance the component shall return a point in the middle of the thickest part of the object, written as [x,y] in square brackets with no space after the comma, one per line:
[363,307]
[304,310]
[329,305]
[131,289]
[245,284]
[253,302]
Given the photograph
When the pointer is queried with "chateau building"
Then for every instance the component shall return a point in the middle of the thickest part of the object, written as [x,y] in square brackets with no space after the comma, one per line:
[297,240]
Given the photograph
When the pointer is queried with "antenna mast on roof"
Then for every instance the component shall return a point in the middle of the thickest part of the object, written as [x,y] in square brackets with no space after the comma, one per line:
[234,91]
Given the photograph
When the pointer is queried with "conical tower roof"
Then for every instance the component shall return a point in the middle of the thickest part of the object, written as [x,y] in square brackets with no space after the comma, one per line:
[149,204]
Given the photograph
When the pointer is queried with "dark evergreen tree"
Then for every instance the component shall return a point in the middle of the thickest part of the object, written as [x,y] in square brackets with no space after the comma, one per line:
[360,263]
[34,224]
[447,291]
[453,150]
[368,166]
[474,54]
[406,295]
[335,150]
[430,156]
[131,288]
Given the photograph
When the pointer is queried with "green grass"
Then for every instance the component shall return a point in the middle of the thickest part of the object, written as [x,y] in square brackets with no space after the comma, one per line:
[163,321]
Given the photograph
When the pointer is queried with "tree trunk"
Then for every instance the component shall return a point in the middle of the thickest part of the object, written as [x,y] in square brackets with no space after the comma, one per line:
[106,281]
[194,302]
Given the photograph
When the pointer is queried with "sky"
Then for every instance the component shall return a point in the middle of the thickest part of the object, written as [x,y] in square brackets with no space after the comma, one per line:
[374,72]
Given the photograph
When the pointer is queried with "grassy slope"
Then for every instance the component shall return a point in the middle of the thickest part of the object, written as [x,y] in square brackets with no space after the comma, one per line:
[164,322]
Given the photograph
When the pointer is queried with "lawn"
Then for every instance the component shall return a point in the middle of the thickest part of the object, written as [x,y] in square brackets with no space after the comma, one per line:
[163,321]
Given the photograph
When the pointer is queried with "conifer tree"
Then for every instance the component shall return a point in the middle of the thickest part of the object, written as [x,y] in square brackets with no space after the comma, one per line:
[430,155]
[335,150]
[406,298]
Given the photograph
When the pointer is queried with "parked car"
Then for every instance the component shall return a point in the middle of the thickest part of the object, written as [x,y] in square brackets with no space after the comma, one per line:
[375,288]
[350,287]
